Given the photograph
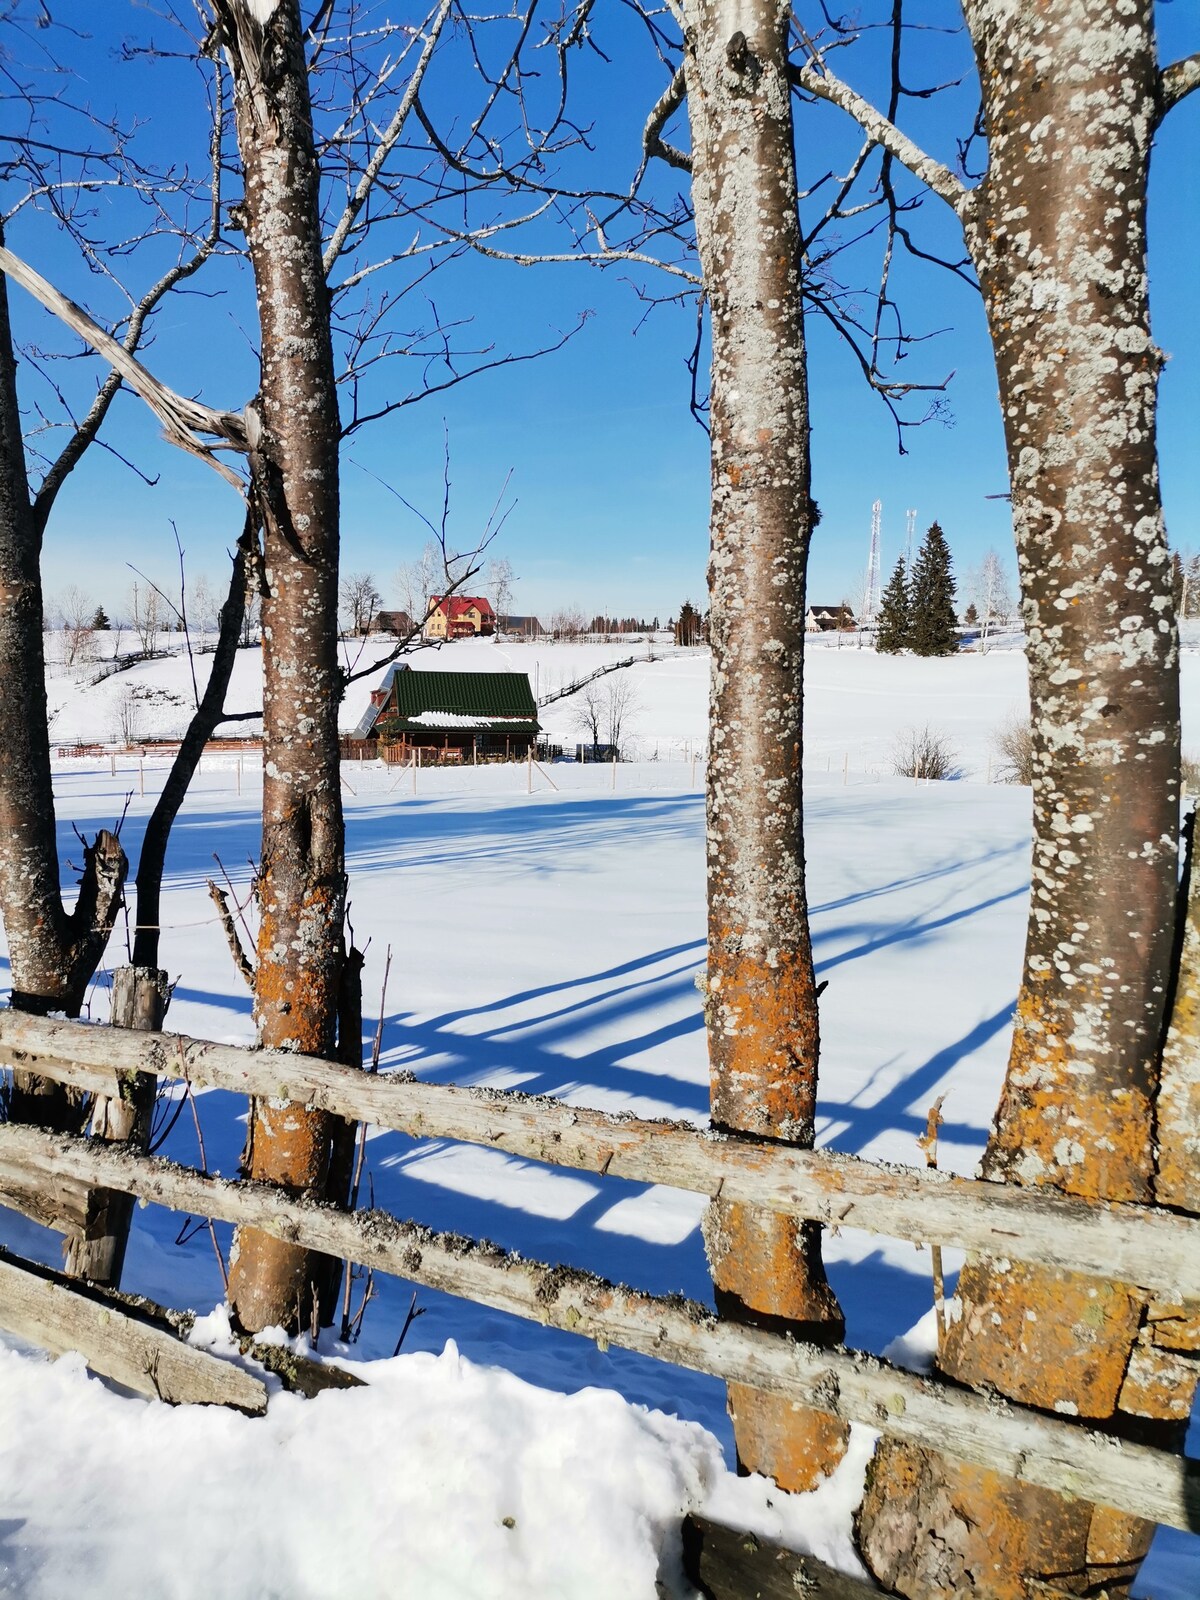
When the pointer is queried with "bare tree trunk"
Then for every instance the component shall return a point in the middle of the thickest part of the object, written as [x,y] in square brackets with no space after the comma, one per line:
[153,856]
[53,954]
[761,992]
[294,436]
[1057,234]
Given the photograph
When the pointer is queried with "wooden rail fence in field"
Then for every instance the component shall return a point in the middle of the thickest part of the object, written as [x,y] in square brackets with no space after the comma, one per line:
[1155,1250]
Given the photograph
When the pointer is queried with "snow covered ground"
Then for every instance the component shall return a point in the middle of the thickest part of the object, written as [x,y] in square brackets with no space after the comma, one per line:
[548,941]
[857,702]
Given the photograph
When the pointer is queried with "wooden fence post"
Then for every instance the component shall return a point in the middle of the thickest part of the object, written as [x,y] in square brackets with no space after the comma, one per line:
[139,1001]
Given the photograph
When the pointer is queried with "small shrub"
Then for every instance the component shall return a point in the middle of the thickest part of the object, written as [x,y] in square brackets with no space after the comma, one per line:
[1013,743]
[924,753]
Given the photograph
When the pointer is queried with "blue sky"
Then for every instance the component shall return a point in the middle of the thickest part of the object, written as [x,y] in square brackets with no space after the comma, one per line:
[607,469]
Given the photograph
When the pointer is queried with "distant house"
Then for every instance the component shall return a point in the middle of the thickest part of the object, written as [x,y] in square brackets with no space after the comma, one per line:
[829,619]
[452,716]
[397,623]
[523,627]
[461,616]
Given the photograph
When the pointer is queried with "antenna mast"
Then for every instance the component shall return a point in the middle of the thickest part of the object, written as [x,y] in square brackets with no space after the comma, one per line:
[911,514]
[871,586]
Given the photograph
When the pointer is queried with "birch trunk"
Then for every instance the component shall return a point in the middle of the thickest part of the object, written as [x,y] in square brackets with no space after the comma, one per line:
[1057,234]
[761,993]
[294,436]
[53,954]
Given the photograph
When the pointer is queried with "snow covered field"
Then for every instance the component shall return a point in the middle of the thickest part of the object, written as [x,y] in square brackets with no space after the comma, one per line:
[548,941]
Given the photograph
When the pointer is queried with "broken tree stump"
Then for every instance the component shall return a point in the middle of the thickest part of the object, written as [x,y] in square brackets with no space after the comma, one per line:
[97,1251]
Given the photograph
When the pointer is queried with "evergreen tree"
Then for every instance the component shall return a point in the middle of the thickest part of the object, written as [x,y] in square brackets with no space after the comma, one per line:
[100,620]
[934,626]
[893,631]
[1191,597]
[1177,582]
[971,615]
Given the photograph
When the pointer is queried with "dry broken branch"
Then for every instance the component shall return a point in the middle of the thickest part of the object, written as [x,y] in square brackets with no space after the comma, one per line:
[240,959]
[183,419]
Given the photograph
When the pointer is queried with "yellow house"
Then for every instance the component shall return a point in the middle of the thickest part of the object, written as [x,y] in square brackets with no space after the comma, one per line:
[459,617]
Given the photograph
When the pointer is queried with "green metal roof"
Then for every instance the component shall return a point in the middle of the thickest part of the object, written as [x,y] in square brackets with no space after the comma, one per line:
[497,696]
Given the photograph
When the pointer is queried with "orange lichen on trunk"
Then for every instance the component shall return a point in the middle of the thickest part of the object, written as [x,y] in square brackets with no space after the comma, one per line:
[921,1521]
[1066,1119]
[768,1274]
[767,1268]
[765,1013]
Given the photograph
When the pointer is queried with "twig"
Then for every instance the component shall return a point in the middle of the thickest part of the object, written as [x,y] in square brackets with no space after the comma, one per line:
[414,1311]
[348,1323]
[212,1232]
[240,959]
[240,905]
[355,1325]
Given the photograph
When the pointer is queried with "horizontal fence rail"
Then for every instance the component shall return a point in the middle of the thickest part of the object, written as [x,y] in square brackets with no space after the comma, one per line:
[1155,1250]
[1062,1456]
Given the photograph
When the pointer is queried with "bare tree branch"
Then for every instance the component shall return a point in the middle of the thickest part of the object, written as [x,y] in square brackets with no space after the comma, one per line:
[815,77]
[386,143]
[605,256]
[456,378]
[85,433]
[182,418]
[653,143]
[1176,82]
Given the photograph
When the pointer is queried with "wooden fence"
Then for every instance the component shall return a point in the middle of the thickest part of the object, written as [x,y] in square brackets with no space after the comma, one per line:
[1155,1250]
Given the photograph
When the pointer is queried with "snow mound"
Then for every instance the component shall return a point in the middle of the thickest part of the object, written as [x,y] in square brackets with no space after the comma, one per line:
[440,1480]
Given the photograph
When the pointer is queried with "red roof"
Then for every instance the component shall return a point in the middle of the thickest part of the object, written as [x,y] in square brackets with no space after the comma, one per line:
[459,604]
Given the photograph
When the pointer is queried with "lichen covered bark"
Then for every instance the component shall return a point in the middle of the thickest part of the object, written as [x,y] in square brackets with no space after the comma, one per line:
[294,435]
[1057,235]
[761,994]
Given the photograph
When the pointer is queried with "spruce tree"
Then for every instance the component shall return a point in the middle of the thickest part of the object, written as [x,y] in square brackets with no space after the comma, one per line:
[1191,598]
[1178,583]
[933,624]
[893,631]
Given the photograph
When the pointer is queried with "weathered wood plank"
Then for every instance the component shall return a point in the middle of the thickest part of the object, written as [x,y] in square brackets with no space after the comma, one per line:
[726,1564]
[1063,1456]
[59,1205]
[1156,1250]
[43,1308]
[297,1373]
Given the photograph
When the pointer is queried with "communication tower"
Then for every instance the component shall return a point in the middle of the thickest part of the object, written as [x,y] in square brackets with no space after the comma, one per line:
[911,514]
[871,586]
